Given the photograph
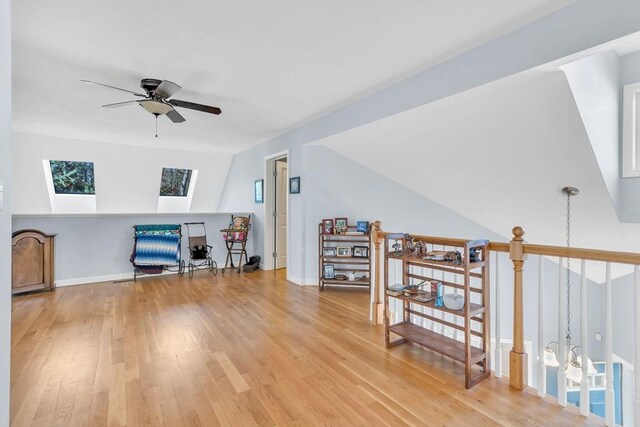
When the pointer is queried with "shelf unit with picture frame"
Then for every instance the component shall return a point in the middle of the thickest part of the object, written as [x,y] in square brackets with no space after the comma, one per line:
[343,255]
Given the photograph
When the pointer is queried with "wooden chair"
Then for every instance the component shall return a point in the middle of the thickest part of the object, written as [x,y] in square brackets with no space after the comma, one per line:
[235,238]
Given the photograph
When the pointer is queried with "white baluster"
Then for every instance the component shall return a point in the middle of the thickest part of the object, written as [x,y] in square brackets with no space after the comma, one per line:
[636,333]
[584,341]
[498,349]
[609,396]
[562,333]
[542,369]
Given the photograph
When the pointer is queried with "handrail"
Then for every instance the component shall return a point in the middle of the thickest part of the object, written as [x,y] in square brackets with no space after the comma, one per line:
[518,251]
[531,249]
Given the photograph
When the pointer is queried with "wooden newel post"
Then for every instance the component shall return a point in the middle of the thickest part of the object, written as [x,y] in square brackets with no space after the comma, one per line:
[376,305]
[517,356]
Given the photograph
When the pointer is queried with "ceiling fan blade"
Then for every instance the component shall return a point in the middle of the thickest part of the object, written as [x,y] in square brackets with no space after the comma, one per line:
[167,88]
[175,116]
[193,106]
[120,104]
[113,87]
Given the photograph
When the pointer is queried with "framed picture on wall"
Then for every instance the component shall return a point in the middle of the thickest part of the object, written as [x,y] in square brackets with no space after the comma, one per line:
[258,190]
[294,185]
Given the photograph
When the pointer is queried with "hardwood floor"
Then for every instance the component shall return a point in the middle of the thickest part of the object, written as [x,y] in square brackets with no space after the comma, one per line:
[236,350]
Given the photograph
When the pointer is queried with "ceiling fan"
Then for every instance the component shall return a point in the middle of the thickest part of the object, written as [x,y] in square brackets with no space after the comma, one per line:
[157,102]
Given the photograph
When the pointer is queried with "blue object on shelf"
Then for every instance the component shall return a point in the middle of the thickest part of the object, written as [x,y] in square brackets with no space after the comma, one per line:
[439,301]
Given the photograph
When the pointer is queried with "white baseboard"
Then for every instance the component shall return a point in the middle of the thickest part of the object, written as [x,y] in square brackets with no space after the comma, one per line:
[105,278]
[300,282]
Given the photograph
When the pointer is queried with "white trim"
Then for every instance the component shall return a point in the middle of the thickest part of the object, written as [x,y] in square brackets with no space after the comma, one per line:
[105,278]
[267,192]
[630,145]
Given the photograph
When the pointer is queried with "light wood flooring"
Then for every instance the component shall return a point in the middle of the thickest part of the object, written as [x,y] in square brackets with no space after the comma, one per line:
[236,350]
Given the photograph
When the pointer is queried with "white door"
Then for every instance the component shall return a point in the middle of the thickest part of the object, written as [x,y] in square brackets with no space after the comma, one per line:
[282,192]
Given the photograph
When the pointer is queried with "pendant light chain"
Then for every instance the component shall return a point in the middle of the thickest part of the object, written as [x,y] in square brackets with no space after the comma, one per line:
[568,267]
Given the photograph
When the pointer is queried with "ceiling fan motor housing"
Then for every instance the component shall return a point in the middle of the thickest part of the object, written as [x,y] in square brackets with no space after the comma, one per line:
[150,85]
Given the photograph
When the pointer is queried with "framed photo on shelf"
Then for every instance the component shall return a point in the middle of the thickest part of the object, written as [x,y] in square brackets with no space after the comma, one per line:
[258,193]
[329,252]
[294,185]
[341,225]
[344,251]
[362,226]
[360,251]
[329,271]
[327,226]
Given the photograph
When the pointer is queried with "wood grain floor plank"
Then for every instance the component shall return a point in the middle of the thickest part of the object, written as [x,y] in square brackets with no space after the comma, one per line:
[237,350]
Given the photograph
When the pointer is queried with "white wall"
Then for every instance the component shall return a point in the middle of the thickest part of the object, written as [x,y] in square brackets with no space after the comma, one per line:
[5,212]
[594,84]
[127,177]
[96,248]
[629,188]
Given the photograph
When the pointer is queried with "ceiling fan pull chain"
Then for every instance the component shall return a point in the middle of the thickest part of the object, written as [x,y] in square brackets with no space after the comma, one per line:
[156,125]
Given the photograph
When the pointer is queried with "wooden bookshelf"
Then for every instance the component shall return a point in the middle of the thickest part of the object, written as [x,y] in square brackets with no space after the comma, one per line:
[471,279]
[362,266]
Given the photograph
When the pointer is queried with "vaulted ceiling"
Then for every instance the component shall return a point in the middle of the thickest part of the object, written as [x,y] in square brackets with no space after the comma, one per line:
[269,65]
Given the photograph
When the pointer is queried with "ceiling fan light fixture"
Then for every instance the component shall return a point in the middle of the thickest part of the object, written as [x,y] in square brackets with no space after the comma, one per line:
[155,107]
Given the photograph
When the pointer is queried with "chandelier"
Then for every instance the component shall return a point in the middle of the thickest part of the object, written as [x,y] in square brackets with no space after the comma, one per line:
[573,362]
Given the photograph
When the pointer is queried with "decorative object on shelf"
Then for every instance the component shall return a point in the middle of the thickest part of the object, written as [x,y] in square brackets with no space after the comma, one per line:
[361,251]
[435,255]
[344,251]
[294,185]
[362,226]
[572,363]
[397,246]
[341,277]
[329,271]
[329,252]
[439,297]
[352,276]
[258,187]
[423,298]
[340,225]
[453,256]
[453,301]
[475,255]
[327,226]
[396,290]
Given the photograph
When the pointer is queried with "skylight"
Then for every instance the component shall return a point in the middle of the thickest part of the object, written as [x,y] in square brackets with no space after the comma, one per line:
[72,177]
[175,182]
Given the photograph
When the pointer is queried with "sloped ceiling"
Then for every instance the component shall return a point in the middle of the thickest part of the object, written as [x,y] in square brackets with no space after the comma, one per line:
[500,155]
[268,65]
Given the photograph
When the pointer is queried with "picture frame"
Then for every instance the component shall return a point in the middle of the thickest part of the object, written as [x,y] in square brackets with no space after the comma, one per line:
[294,185]
[327,226]
[360,252]
[258,190]
[329,252]
[343,251]
[340,225]
[362,226]
[328,271]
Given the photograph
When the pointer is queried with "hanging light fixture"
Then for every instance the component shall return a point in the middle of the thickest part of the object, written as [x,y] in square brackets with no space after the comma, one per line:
[572,363]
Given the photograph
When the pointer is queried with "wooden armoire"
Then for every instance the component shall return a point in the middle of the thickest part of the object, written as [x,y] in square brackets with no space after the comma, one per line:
[31,261]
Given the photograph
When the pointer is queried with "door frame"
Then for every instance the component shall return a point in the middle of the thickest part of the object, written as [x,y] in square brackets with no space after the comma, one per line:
[269,204]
